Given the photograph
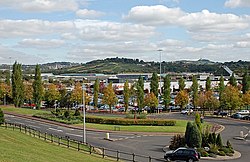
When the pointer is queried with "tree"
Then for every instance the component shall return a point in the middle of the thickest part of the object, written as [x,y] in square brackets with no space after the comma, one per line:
[231,98]
[198,121]
[246,98]
[52,94]
[17,85]
[195,91]
[1,117]
[109,96]
[181,84]
[193,135]
[38,91]
[126,93]
[154,84]
[232,80]
[166,90]
[221,87]
[140,97]
[151,101]
[208,84]
[219,141]
[96,92]
[206,100]
[187,132]
[5,91]
[245,83]
[181,99]
[28,92]
[141,82]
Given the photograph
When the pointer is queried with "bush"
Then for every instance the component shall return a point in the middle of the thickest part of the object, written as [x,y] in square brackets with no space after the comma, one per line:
[187,133]
[213,148]
[176,142]
[212,155]
[219,141]
[226,149]
[138,116]
[203,152]
[194,136]
[229,145]
[77,113]
[1,117]
[66,114]
[221,153]
[198,121]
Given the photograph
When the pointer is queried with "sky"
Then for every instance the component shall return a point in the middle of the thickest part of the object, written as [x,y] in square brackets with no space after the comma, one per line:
[42,31]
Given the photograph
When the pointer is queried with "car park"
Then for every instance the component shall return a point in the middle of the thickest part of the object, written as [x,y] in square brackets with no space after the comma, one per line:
[247,117]
[220,112]
[182,153]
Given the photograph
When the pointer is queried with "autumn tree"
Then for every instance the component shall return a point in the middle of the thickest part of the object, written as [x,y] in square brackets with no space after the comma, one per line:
[5,91]
[246,98]
[194,88]
[231,98]
[154,84]
[166,90]
[38,91]
[96,92]
[182,99]
[17,85]
[126,94]
[206,100]
[51,94]
[28,92]
[109,96]
[151,101]
[181,83]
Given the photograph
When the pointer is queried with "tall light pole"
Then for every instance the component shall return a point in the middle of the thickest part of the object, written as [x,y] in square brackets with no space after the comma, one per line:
[159,96]
[83,109]
[10,70]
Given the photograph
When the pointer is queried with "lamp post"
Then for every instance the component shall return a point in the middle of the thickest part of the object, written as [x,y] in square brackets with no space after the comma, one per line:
[159,96]
[4,99]
[10,70]
[83,109]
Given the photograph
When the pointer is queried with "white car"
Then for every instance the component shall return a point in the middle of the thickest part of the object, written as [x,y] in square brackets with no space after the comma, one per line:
[244,112]
[186,111]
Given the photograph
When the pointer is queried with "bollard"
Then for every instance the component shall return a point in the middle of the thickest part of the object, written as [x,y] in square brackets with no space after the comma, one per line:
[107,135]
[241,134]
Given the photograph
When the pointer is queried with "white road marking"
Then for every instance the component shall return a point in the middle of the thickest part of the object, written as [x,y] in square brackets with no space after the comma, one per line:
[74,135]
[58,130]
[34,126]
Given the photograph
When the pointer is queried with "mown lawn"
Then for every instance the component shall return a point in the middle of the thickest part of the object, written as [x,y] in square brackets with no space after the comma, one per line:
[180,127]
[24,111]
[18,147]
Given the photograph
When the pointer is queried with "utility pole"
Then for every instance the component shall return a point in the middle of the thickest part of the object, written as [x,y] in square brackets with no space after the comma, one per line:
[83,109]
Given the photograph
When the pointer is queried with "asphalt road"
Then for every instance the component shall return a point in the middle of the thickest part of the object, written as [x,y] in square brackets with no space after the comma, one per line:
[143,144]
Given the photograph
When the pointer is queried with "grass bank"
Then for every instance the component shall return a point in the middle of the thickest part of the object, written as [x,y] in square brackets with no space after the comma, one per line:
[18,147]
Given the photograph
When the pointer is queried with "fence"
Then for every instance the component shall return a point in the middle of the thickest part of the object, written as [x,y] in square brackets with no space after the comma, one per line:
[80,146]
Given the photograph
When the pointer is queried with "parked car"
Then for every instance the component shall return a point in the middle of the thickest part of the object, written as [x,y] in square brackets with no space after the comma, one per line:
[236,116]
[247,117]
[220,112]
[182,153]
[186,111]
[244,112]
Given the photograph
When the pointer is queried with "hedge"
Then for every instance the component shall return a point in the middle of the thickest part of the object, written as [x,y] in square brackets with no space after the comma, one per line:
[115,121]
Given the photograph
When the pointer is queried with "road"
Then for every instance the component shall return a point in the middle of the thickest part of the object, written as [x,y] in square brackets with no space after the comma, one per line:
[143,144]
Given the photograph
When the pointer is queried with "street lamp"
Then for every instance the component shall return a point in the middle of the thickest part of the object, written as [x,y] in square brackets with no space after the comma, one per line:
[160,51]
[4,99]
[83,109]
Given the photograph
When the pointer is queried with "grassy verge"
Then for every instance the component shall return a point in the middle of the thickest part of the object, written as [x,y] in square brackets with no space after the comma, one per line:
[24,111]
[18,147]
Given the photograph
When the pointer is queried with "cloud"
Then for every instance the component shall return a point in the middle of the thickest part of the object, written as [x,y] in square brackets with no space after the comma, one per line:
[41,5]
[24,28]
[95,30]
[41,43]
[237,3]
[203,21]
[89,14]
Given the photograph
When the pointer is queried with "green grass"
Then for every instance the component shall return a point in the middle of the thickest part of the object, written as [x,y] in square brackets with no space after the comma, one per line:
[24,111]
[18,147]
[180,127]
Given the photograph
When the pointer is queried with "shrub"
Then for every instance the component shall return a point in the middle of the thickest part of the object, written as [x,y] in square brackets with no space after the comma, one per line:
[198,121]
[229,145]
[138,116]
[205,136]
[194,137]
[214,138]
[221,153]
[176,142]
[219,141]
[187,133]
[212,155]
[213,148]
[203,152]
[66,114]
[210,138]
[77,113]
[225,149]
[1,117]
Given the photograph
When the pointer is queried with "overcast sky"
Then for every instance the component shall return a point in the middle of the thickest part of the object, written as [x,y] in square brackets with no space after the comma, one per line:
[41,31]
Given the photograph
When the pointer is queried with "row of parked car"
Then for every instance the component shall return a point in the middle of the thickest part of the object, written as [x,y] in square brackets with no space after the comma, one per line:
[242,114]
